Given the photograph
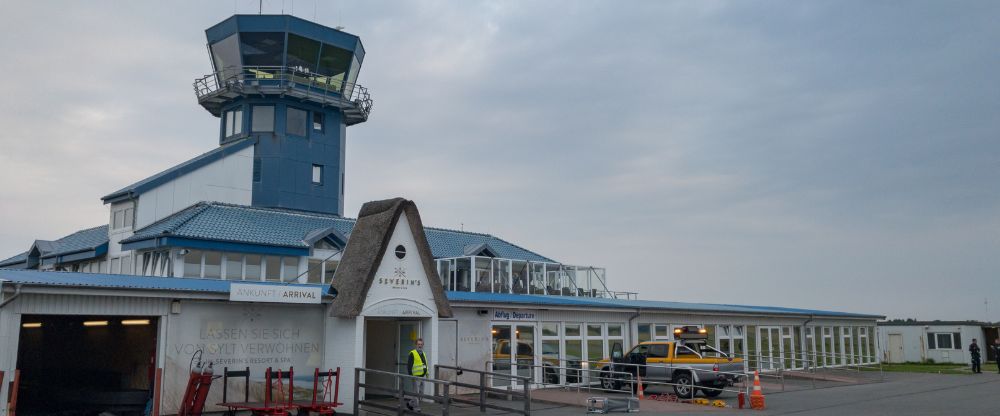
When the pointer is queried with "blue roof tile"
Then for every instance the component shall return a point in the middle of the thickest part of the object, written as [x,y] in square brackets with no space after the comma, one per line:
[216,221]
[20,258]
[82,240]
[573,301]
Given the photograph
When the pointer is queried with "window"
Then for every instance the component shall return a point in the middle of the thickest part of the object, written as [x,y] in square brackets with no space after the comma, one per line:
[290,271]
[272,268]
[256,169]
[127,265]
[315,273]
[318,121]
[334,63]
[234,122]
[252,267]
[234,266]
[944,341]
[303,53]
[118,220]
[226,57]
[129,217]
[263,119]
[213,264]
[329,269]
[262,48]
[295,121]
[116,266]
[645,333]
[658,351]
[192,263]
[317,174]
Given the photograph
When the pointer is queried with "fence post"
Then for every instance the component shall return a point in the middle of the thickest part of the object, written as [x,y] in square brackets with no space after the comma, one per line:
[401,391]
[482,392]
[357,389]
[527,398]
[446,404]
[437,376]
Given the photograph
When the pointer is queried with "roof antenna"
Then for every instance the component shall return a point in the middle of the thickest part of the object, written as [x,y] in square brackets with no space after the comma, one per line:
[260,7]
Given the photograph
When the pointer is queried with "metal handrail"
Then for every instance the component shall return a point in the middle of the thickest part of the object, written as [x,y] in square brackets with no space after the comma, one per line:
[525,395]
[399,392]
[238,78]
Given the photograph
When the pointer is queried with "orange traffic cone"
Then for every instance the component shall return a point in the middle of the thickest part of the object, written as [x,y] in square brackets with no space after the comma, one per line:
[642,394]
[756,396]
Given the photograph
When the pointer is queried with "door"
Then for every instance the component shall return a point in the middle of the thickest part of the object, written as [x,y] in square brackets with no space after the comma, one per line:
[656,361]
[407,333]
[513,353]
[769,348]
[896,348]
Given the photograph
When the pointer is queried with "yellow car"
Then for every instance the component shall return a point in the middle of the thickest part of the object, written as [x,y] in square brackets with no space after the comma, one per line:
[687,364]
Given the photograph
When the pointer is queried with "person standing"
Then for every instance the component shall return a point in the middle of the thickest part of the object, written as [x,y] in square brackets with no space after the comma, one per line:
[996,352]
[417,365]
[976,357]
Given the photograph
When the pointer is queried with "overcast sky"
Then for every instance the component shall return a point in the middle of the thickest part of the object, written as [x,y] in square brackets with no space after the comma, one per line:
[822,154]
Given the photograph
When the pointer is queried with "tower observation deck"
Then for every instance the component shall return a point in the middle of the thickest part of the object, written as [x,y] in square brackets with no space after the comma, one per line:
[280,55]
[289,86]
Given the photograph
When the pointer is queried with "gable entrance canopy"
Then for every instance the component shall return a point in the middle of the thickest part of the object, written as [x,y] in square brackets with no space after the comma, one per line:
[404,277]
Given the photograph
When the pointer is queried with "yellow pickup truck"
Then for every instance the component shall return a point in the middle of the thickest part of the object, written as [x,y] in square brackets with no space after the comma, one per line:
[686,363]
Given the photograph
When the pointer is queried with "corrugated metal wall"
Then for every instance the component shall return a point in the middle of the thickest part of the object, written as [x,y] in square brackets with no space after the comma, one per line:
[51,304]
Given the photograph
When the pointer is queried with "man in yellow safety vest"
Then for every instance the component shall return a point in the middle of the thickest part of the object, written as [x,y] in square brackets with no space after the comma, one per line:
[416,364]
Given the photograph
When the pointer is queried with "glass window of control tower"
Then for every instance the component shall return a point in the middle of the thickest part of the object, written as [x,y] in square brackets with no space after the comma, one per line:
[303,53]
[333,62]
[226,57]
[262,118]
[262,48]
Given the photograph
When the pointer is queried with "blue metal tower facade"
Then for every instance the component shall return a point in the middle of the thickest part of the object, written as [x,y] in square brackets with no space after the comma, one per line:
[290,86]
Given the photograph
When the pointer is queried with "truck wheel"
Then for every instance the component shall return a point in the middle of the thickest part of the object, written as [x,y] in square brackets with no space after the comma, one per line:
[712,392]
[609,383]
[551,375]
[683,385]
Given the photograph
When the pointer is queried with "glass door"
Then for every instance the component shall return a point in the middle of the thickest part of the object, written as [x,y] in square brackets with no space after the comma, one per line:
[406,340]
[513,353]
[525,358]
[502,355]
[769,348]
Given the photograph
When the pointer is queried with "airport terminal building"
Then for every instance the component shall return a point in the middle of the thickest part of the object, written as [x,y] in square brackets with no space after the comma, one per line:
[244,253]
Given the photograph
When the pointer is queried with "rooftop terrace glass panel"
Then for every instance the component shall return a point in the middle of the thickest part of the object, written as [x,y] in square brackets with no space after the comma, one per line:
[262,48]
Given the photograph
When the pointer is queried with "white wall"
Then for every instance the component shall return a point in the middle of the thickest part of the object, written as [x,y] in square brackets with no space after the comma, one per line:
[915,342]
[226,180]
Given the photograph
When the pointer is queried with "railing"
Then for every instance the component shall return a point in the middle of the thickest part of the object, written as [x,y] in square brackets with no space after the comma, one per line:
[484,389]
[398,392]
[276,79]
[501,275]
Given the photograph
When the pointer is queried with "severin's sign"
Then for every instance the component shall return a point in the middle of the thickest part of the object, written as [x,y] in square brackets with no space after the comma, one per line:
[244,292]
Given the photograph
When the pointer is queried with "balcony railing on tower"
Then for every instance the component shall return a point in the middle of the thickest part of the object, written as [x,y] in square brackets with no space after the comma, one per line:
[218,87]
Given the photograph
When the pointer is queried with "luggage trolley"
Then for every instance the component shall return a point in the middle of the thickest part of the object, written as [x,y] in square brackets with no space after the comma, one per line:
[268,407]
[324,405]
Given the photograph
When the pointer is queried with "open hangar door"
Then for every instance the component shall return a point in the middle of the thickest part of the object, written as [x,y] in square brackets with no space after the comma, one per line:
[85,365]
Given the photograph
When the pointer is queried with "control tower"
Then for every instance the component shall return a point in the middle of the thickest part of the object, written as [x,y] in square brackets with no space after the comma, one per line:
[289,85]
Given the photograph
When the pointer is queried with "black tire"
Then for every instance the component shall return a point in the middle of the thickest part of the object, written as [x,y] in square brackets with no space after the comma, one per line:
[683,385]
[609,383]
[712,391]
[551,375]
